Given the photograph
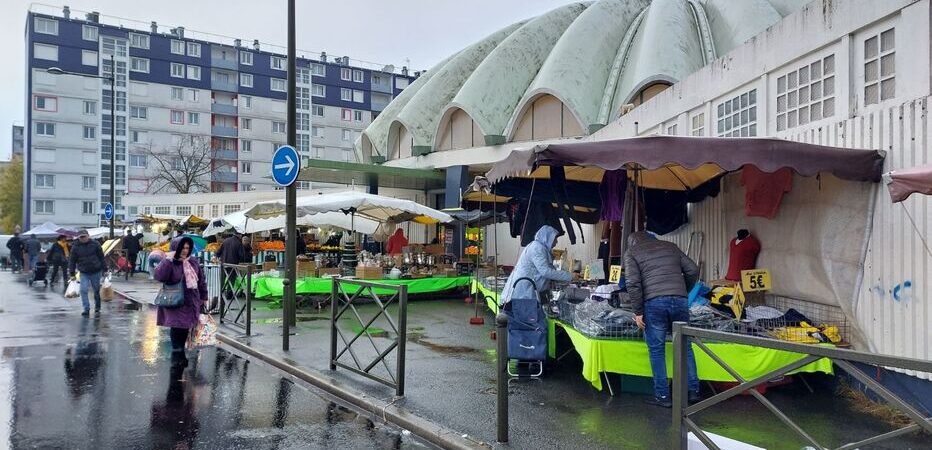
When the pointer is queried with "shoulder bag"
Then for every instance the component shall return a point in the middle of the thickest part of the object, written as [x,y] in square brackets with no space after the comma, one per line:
[171,295]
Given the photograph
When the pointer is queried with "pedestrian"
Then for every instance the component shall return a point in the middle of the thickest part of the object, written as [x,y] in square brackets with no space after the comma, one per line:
[658,276]
[247,250]
[132,245]
[87,257]
[231,252]
[300,244]
[15,245]
[536,263]
[397,243]
[57,258]
[33,247]
[181,267]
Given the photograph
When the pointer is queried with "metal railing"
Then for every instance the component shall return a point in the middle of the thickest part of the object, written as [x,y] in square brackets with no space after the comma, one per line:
[341,302]
[236,294]
[684,335]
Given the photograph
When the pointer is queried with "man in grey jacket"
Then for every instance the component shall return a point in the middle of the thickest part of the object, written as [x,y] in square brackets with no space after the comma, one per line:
[658,276]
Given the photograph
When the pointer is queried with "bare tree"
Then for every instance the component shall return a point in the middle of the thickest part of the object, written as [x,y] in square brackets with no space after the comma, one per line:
[184,168]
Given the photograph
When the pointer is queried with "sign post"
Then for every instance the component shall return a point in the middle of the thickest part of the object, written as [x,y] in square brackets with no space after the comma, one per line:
[288,165]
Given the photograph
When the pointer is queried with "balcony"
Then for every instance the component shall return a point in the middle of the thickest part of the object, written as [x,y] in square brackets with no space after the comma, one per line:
[221,108]
[229,132]
[224,177]
[226,86]
[220,63]
[224,154]
[384,86]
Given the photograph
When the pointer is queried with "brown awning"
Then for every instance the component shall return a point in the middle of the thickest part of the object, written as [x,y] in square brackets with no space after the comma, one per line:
[682,163]
[905,182]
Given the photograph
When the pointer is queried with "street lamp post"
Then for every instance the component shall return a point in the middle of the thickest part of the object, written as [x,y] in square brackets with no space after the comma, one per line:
[112,79]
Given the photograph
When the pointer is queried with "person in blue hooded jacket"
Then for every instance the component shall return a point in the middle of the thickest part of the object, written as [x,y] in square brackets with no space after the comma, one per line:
[536,263]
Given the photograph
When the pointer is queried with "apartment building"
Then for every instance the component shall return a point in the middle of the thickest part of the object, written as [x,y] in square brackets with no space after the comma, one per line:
[177,97]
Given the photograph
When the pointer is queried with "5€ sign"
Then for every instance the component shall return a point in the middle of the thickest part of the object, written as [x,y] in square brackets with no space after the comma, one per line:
[755,280]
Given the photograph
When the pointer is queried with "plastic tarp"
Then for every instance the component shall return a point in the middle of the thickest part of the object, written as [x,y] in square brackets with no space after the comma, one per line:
[101,232]
[46,230]
[905,182]
[264,287]
[374,207]
[242,224]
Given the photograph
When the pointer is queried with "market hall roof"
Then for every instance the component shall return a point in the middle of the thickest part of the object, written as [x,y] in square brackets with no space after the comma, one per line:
[592,56]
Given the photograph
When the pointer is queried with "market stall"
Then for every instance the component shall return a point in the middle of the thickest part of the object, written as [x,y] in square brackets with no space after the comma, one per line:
[642,179]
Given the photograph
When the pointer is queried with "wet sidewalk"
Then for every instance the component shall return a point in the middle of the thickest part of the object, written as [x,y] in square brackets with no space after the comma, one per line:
[450,382]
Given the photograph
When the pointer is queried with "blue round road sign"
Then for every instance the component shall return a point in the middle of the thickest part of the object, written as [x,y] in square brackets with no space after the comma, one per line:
[108,211]
[285,165]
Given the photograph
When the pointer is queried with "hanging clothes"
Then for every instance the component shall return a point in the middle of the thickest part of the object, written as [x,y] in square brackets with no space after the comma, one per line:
[666,210]
[564,207]
[764,191]
[612,194]
[742,255]
[526,220]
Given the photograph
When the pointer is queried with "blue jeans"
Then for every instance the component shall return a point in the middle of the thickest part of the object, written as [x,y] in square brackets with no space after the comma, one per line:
[89,280]
[659,315]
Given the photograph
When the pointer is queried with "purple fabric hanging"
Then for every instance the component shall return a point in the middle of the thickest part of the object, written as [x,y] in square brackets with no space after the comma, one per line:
[612,191]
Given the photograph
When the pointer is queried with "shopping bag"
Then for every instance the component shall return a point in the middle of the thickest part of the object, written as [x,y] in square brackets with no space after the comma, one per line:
[205,333]
[106,289]
[527,327]
[73,290]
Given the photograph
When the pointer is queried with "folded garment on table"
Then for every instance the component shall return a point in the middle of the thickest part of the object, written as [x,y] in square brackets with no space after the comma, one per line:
[792,318]
[617,323]
[761,312]
[808,334]
[705,316]
[584,315]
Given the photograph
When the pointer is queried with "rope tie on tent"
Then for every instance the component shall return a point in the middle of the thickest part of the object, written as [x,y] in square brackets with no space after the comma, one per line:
[919,233]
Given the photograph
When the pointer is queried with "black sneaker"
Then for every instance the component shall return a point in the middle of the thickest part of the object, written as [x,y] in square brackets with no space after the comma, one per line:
[85,313]
[663,402]
[694,397]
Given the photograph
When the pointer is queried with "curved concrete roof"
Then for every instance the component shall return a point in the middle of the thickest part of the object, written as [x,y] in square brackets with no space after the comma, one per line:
[592,56]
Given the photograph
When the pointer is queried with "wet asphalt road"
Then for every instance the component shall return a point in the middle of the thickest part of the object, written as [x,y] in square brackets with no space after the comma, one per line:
[105,382]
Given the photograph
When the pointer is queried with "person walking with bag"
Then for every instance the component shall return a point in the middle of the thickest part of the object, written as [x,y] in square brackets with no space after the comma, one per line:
[15,245]
[57,258]
[87,258]
[183,268]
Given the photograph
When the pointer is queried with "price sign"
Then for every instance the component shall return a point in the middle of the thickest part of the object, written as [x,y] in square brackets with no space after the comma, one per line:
[755,280]
[586,275]
[614,274]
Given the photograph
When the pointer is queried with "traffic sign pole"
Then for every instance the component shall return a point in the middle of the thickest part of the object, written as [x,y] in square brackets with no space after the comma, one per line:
[291,247]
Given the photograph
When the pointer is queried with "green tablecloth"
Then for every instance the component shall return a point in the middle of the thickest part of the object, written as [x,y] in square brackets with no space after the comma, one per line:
[273,287]
[491,297]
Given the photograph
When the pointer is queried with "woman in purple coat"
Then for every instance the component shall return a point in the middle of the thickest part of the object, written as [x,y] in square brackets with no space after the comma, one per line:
[182,267]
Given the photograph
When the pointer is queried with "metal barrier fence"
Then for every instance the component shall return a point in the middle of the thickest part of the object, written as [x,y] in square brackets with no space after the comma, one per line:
[684,335]
[212,273]
[341,302]
[236,293]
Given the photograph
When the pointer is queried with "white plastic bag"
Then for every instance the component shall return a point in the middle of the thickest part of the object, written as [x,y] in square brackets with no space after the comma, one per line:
[106,283]
[73,290]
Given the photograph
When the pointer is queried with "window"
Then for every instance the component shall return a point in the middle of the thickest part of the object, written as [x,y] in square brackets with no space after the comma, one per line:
[347,134]
[697,125]
[303,75]
[87,208]
[806,94]
[43,51]
[139,65]
[177,93]
[89,33]
[90,132]
[138,112]
[230,209]
[357,116]
[303,95]
[177,117]
[214,210]
[346,94]
[737,117]
[45,26]
[245,80]
[43,155]
[137,137]
[245,123]
[177,47]
[245,58]
[346,74]
[193,94]
[105,150]
[113,46]
[247,101]
[176,163]
[278,84]
[45,129]
[120,176]
[277,63]
[194,49]
[45,181]
[163,210]
[401,83]
[358,76]
[319,90]
[317,110]
[246,187]
[303,121]
[278,127]
[89,58]
[246,146]
[107,97]
[183,210]
[317,132]
[43,103]
[359,96]
[45,207]
[318,70]
[138,161]
[346,114]
[194,118]
[139,40]
[671,130]
[88,158]
[200,210]
[88,183]
[304,142]
[245,167]
[121,125]
[177,70]
[880,67]
[194,72]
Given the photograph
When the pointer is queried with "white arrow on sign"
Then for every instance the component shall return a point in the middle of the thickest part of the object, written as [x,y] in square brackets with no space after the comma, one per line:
[288,165]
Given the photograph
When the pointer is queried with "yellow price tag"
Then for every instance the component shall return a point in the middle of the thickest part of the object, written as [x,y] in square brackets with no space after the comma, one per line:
[614,274]
[755,280]
[586,275]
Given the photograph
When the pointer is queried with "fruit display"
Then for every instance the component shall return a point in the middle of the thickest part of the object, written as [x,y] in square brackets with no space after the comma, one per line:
[274,246]
[212,247]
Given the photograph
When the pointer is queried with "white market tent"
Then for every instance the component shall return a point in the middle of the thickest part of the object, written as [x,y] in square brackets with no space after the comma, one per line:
[243,224]
[354,204]
[103,232]
[46,230]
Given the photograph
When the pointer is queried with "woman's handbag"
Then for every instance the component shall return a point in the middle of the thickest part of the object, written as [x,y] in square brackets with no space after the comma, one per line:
[171,295]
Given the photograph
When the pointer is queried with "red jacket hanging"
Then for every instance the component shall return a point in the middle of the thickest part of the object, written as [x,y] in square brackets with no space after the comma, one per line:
[742,256]
[764,191]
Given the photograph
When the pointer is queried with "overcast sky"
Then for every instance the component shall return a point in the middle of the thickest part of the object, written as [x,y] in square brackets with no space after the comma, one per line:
[417,33]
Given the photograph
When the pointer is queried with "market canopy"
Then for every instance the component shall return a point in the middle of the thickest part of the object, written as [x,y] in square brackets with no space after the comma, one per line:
[47,230]
[358,204]
[362,174]
[100,232]
[905,182]
[239,222]
[684,163]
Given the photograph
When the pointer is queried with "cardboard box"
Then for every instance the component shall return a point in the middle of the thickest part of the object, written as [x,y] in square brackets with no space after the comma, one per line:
[328,271]
[434,249]
[306,268]
[368,273]
[269,265]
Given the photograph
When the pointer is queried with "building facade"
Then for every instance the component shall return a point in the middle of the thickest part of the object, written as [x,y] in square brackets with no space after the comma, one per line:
[18,141]
[209,113]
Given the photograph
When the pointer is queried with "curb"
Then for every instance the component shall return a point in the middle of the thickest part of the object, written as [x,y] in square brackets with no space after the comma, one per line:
[422,428]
